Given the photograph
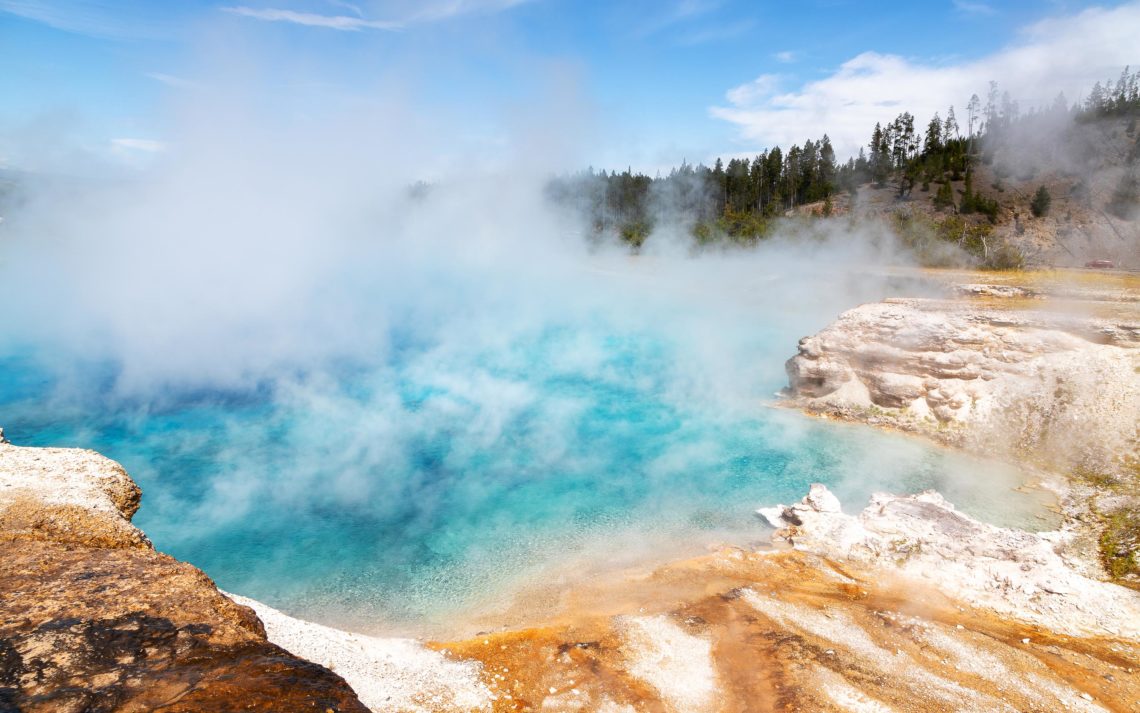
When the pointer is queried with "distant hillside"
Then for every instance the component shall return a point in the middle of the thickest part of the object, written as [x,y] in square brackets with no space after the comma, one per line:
[1082,168]
[1056,186]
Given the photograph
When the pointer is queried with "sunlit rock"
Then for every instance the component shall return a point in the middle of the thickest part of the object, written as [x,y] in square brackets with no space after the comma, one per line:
[1016,573]
[995,381]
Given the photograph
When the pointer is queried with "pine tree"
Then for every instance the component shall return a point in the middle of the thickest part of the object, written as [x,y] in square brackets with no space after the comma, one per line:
[933,141]
[774,176]
[880,156]
[949,127]
[991,110]
[1009,109]
[1095,102]
[826,166]
[720,185]
[1120,94]
[972,113]
[756,176]
[903,146]
[1041,201]
[861,167]
[967,204]
[792,176]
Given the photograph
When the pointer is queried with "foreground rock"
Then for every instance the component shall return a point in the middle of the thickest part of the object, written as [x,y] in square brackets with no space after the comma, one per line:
[92,618]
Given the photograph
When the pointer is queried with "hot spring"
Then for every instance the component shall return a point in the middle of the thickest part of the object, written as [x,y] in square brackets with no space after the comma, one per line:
[481,434]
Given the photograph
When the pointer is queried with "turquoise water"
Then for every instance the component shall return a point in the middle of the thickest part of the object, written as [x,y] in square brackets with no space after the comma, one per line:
[410,489]
[467,457]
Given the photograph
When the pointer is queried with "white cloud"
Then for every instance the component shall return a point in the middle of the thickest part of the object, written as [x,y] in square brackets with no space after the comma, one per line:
[354,9]
[398,15]
[755,91]
[171,81]
[145,145]
[446,9]
[105,19]
[717,33]
[312,19]
[676,13]
[974,8]
[786,57]
[1058,54]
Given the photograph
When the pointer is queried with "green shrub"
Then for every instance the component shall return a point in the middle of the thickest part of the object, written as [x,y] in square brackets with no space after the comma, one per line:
[1041,201]
[944,196]
[634,233]
[1119,543]
[1004,257]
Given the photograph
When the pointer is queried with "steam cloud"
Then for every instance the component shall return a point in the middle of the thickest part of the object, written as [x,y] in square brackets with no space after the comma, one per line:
[272,295]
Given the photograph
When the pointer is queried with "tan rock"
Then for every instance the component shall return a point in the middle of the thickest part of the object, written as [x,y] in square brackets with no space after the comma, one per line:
[93,618]
[1010,382]
[67,495]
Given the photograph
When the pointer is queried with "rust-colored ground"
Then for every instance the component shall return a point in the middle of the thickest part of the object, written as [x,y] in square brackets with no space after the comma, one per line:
[789,631]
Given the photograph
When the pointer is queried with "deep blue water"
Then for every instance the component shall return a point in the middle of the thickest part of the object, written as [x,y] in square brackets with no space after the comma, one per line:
[410,487]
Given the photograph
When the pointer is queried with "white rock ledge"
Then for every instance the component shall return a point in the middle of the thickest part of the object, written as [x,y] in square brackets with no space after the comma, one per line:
[1011,572]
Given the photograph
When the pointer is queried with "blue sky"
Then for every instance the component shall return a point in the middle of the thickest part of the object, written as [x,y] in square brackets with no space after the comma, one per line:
[637,83]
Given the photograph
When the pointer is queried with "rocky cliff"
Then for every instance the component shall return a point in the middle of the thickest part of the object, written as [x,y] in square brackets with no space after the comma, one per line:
[1059,389]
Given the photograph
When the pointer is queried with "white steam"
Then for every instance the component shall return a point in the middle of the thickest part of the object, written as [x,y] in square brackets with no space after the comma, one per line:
[468,326]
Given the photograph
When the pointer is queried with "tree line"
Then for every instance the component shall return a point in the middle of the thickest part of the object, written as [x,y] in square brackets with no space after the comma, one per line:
[738,201]
[1121,98]
[736,198]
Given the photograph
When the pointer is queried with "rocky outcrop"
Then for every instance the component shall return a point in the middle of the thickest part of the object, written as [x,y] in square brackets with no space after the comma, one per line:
[67,495]
[1018,574]
[1062,389]
[92,618]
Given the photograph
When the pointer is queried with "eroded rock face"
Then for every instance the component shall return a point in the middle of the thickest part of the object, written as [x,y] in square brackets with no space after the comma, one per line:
[67,495]
[1064,389]
[93,619]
